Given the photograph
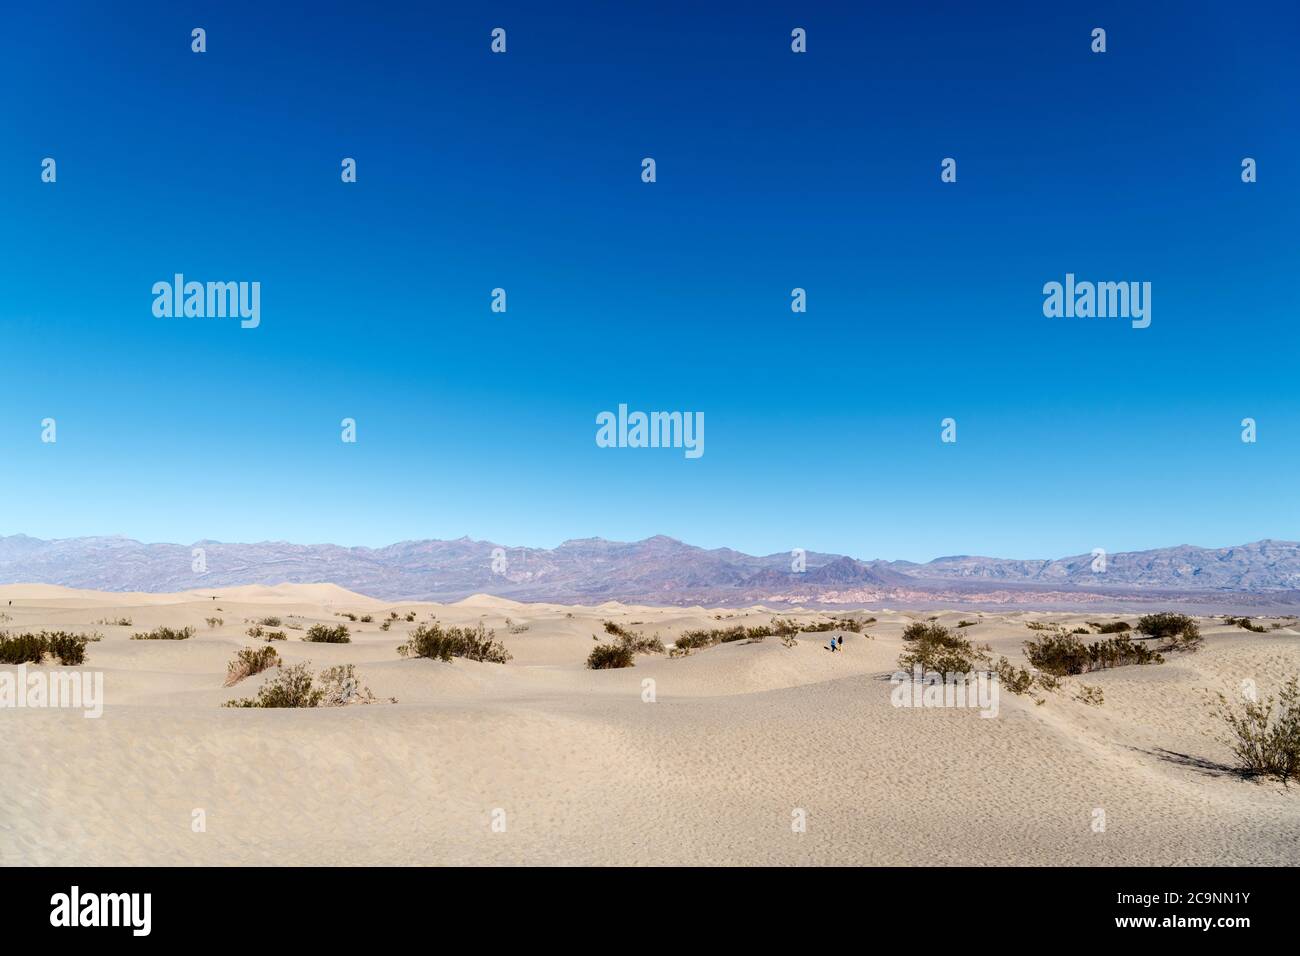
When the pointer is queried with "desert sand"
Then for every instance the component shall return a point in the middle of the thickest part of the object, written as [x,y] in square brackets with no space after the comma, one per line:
[574,766]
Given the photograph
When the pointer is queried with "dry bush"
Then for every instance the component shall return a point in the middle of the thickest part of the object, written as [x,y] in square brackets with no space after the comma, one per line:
[165,634]
[249,661]
[291,687]
[1265,742]
[434,641]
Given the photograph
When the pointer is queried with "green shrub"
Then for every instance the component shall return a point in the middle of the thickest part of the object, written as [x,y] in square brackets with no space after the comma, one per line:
[68,649]
[1018,680]
[22,648]
[1248,624]
[622,653]
[165,634]
[1062,655]
[935,648]
[610,656]
[1166,625]
[249,661]
[291,687]
[435,642]
[324,634]
[1265,743]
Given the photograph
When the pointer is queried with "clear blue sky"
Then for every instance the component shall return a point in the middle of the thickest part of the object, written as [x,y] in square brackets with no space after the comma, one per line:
[775,170]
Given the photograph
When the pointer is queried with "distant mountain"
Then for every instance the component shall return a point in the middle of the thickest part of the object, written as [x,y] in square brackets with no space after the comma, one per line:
[662,570]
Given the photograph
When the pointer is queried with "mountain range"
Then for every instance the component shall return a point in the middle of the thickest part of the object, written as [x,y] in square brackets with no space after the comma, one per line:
[662,570]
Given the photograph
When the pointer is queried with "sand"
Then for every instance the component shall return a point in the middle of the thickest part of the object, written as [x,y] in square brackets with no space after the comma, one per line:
[541,761]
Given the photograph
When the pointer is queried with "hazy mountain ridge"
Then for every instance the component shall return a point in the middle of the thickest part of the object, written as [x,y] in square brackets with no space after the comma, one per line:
[658,570]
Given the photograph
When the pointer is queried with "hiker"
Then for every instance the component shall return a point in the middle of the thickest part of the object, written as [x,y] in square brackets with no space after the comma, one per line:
[841,640]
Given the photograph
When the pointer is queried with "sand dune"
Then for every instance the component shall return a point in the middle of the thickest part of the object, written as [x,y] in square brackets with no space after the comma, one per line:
[739,741]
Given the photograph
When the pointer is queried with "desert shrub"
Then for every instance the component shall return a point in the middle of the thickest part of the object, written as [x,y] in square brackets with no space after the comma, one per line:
[1037,625]
[1018,680]
[639,644]
[1114,627]
[434,641]
[22,648]
[784,628]
[392,615]
[410,616]
[69,649]
[215,622]
[291,687]
[1165,625]
[835,624]
[1247,624]
[350,617]
[249,661]
[255,631]
[165,634]
[628,643]
[115,622]
[1175,631]
[269,622]
[966,623]
[1091,695]
[514,628]
[723,635]
[935,648]
[1062,655]
[386,625]
[610,656]
[340,687]
[1265,742]
[324,634]
[274,636]
[367,619]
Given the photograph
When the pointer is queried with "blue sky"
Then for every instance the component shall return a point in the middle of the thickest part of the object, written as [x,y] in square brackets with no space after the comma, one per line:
[775,170]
